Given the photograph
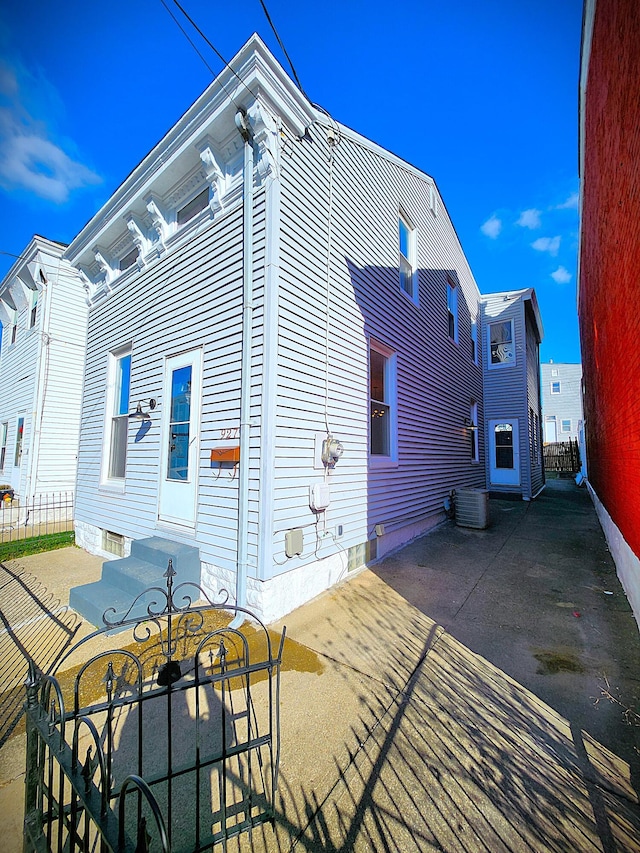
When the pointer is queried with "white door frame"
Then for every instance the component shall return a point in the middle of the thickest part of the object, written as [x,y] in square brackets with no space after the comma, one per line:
[178,487]
[501,476]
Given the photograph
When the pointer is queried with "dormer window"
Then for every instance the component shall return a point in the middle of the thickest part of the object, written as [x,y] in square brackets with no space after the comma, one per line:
[129,259]
[193,207]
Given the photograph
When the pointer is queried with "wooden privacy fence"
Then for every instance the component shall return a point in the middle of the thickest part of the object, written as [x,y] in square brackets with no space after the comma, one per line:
[562,456]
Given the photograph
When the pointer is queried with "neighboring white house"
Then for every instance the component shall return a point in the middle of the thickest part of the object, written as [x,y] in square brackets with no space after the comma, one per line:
[284,348]
[512,408]
[43,311]
[561,400]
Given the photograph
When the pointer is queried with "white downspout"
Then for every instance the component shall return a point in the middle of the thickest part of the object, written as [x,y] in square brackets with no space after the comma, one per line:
[242,123]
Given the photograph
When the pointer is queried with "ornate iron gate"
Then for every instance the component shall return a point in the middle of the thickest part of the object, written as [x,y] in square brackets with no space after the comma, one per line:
[171,740]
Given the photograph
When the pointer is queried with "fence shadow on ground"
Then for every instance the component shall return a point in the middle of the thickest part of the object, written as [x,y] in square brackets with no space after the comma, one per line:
[33,625]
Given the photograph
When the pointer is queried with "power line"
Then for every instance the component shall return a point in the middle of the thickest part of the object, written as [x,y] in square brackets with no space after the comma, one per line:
[188,38]
[284,50]
[214,49]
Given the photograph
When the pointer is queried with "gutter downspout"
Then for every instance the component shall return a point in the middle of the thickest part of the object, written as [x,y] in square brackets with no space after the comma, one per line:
[242,123]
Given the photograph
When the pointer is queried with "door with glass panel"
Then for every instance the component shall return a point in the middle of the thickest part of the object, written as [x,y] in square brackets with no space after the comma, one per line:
[505,452]
[180,439]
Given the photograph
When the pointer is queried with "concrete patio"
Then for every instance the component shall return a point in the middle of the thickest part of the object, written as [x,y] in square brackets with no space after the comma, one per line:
[475,691]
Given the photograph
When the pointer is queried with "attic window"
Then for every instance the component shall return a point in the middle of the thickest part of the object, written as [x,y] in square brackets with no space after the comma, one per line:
[193,207]
[129,259]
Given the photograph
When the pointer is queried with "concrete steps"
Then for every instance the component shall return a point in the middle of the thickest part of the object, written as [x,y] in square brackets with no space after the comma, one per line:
[124,579]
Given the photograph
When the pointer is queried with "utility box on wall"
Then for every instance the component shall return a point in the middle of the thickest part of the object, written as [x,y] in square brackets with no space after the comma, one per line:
[472,508]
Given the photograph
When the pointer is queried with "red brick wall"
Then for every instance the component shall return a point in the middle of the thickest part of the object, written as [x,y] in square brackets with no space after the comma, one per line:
[610,263]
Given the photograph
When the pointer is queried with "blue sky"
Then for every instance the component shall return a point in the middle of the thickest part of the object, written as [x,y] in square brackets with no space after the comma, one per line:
[482,96]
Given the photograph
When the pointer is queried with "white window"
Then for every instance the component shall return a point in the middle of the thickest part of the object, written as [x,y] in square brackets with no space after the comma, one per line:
[4,429]
[14,333]
[193,207]
[474,342]
[382,391]
[406,259]
[554,372]
[555,387]
[19,440]
[566,425]
[452,309]
[128,260]
[502,351]
[433,199]
[117,424]
[473,431]
[33,312]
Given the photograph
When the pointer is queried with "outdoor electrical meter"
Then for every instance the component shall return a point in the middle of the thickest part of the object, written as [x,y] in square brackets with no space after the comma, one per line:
[332,450]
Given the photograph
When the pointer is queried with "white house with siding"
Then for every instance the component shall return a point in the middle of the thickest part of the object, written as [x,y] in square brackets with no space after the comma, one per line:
[284,357]
[512,400]
[561,400]
[43,311]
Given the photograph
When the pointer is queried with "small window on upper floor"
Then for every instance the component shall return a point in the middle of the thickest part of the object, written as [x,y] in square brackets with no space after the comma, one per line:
[14,333]
[193,207]
[474,342]
[33,313]
[566,425]
[452,309]
[407,258]
[554,372]
[555,388]
[502,351]
[433,199]
[128,260]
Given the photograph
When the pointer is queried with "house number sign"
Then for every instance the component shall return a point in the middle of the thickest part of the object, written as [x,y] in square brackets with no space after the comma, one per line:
[230,432]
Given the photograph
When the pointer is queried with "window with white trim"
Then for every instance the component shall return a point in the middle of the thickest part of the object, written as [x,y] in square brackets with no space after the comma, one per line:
[14,333]
[33,311]
[193,207]
[554,372]
[19,439]
[502,351]
[565,425]
[474,342]
[382,391]
[452,309]
[117,425]
[407,258]
[4,429]
[555,388]
[473,432]
[128,260]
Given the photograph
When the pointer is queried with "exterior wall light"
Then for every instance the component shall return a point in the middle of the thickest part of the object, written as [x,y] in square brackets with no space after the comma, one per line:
[469,424]
[139,415]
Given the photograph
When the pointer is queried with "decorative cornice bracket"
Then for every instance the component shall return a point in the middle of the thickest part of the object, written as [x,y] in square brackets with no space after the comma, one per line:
[215,175]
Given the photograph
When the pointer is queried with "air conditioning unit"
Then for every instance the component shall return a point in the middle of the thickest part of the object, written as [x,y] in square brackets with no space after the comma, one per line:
[472,508]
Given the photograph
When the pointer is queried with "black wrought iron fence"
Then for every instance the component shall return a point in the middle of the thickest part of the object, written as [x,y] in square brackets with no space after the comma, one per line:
[45,514]
[169,741]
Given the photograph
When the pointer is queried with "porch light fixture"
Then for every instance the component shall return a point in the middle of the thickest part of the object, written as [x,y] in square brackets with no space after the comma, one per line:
[469,424]
[139,415]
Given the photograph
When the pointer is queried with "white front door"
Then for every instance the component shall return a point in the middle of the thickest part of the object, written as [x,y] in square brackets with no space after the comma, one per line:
[179,447]
[550,430]
[504,452]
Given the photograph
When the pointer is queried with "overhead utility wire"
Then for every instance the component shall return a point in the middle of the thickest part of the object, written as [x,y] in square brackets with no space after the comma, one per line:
[188,38]
[284,49]
[213,48]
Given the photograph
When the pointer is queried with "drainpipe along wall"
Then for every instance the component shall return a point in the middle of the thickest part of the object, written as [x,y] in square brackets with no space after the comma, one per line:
[242,123]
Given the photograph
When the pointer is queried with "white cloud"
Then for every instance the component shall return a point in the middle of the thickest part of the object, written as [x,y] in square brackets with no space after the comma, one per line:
[570,203]
[561,275]
[492,227]
[529,218]
[547,244]
[29,159]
